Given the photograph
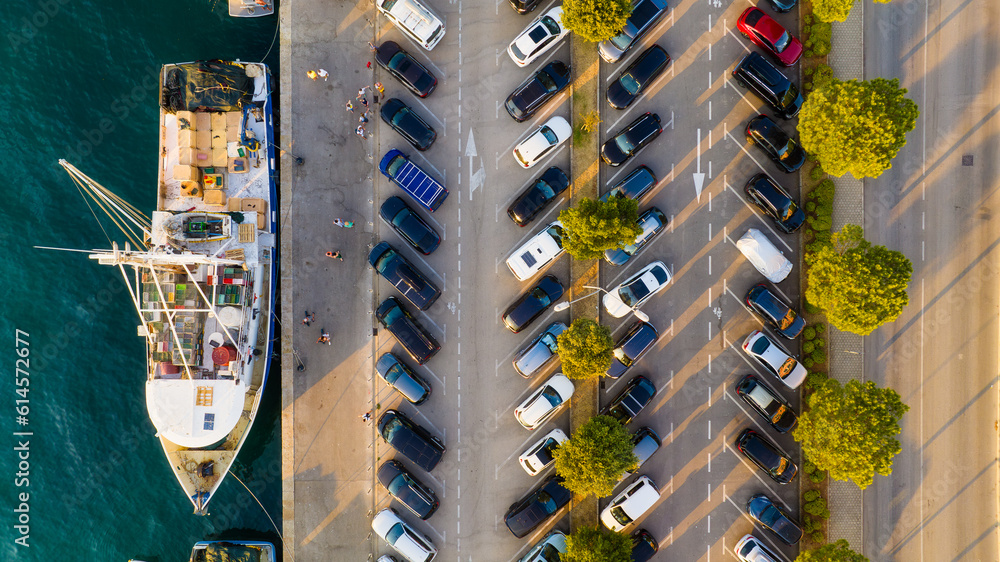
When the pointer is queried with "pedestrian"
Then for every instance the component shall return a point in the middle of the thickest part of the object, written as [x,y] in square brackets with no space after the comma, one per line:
[363,118]
[335,255]
[366,416]
[309,318]
[372,47]
[312,74]
[361,92]
[350,106]
[342,223]
[323,74]
[364,102]
[360,131]
[380,88]
[324,337]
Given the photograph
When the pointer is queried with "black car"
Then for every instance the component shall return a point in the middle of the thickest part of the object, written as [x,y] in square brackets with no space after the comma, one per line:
[645,14]
[652,221]
[532,304]
[626,406]
[401,324]
[640,337]
[634,79]
[400,377]
[537,196]
[766,456]
[775,202]
[756,73]
[644,546]
[531,511]
[770,516]
[411,440]
[634,186]
[405,68]
[630,140]
[766,402]
[769,308]
[412,493]
[407,123]
[539,88]
[408,224]
[784,150]
[524,6]
[407,279]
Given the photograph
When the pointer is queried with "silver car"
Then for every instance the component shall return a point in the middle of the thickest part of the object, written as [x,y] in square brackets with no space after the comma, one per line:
[539,352]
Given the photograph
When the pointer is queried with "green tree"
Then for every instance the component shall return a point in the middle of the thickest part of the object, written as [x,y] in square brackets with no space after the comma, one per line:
[839,551]
[585,349]
[596,20]
[835,10]
[850,430]
[594,226]
[595,456]
[857,126]
[859,286]
[596,544]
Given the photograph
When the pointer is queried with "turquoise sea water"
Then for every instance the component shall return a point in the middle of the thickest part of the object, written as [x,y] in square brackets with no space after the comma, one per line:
[79,82]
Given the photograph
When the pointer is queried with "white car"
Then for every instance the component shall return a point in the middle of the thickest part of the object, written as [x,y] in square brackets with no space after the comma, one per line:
[413,545]
[548,549]
[631,504]
[540,36]
[415,20]
[636,290]
[537,252]
[545,402]
[768,260]
[774,359]
[751,549]
[544,140]
[539,455]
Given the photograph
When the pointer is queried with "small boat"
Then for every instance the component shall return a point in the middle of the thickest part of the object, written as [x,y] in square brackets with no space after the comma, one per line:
[233,551]
[250,8]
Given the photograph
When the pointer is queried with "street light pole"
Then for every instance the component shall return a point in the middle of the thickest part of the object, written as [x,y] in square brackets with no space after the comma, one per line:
[565,304]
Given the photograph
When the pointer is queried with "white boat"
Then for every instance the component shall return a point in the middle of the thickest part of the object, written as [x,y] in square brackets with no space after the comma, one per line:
[204,267]
[233,551]
[250,8]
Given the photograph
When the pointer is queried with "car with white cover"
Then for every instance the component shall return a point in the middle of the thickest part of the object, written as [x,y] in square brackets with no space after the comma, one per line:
[768,259]
[415,20]
[539,455]
[412,545]
[537,252]
[540,36]
[545,401]
[631,504]
[636,290]
[544,140]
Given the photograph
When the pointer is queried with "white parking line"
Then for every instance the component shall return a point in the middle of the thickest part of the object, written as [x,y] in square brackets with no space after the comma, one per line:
[774,547]
[757,214]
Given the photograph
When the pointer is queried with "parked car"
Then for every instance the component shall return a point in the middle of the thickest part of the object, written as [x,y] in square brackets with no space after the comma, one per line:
[635,185]
[630,348]
[544,140]
[645,14]
[637,289]
[781,148]
[537,252]
[401,378]
[408,224]
[415,20]
[403,326]
[548,549]
[413,545]
[776,360]
[529,512]
[536,39]
[524,6]
[770,85]
[403,67]
[645,442]
[766,456]
[631,400]
[533,303]
[764,256]
[752,549]
[408,280]
[644,546]
[631,504]
[770,516]
[632,139]
[407,490]
[639,75]
[652,221]
[412,441]
[782,6]
[415,182]
[769,35]
[766,402]
[537,196]
[767,306]
[537,354]
[538,456]
[774,202]
[407,123]
[544,402]
[538,89]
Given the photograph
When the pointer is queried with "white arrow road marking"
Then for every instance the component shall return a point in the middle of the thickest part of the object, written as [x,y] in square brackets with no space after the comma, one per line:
[477,177]
[699,178]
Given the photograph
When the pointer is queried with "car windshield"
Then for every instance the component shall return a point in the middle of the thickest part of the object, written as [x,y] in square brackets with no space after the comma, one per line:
[393,373]
[548,552]
[634,292]
[789,318]
[384,261]
[549,135]
[787,150]
[778,413]
[401,116]
[622,40]
[747,548]
[550,341]
[398,483]
[548,502]
[781,466]
[790,95]
[394,533]
[552,396]
[550,24]
[624,143]
[770,516]
[556,232]
[391,428]
[760,346]
[789,210]
[547,82]
[782,43]
[543,298]
[787,367]
[517,52]
[620,516]
[399,62]
[630,84]
[622,356]
[395,314]
[545,189]
[395,164]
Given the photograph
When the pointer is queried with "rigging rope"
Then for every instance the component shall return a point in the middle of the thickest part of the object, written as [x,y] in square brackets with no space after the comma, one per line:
[276,530]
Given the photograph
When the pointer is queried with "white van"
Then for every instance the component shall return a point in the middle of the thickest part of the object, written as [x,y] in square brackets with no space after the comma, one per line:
[768,260]
[421,24]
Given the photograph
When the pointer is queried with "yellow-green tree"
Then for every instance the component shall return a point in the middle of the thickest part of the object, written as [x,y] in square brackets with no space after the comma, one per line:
[596,544]
[585,349]
[596,20]
[839,551]
[835,10]
[856,126]
[850,430]
[857,285]
[595,456]
[593,226]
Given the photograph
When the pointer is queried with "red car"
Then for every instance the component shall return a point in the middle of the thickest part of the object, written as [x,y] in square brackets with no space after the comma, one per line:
[770,36]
